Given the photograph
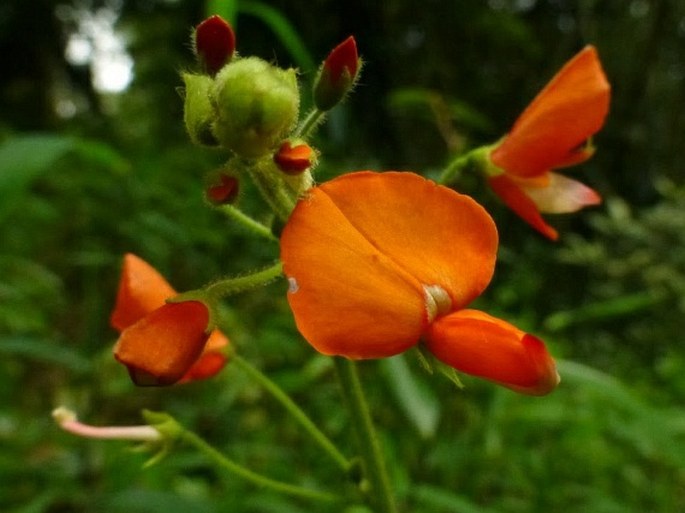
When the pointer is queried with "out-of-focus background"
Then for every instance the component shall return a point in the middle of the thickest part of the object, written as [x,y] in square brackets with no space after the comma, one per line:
[94,162]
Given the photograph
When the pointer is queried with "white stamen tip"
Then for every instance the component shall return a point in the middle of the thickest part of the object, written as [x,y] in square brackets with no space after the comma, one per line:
[438,301]
[292,285]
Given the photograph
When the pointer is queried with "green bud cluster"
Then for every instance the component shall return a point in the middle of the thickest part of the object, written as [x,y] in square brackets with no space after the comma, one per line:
[249,107]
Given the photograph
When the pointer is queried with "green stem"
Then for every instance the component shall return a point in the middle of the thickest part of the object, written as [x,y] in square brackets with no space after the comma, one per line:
[238,470]
[246,221]
[473,159]
[370,449]
[310,122]
[294,410]
[273,190]
[230,286]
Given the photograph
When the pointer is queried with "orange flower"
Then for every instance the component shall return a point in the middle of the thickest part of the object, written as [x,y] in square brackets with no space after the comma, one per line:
[553,132]
[162,343]
[378,261]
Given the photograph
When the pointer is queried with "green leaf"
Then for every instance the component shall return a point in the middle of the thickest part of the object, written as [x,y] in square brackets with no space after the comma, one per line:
[417,400]
[22,160]
[283,29]
[47,351]
[427,104]
[603,310]
[432,498]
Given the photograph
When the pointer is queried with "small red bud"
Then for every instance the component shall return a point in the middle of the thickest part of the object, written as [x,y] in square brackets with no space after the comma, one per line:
[214,43]
[343,58]
[337,75]
[293,160]
[223,192]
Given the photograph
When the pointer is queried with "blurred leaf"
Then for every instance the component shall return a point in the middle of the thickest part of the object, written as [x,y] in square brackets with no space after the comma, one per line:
[47,351]
[39,503]
[22,160]
[284,30]
[602,310]
[269,503]
[600,382]
[101,155]
[150,501]
[435,499]
[430,105]
[417,400]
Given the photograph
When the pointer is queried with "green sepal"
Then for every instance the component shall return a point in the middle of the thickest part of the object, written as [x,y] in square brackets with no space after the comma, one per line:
[198,113]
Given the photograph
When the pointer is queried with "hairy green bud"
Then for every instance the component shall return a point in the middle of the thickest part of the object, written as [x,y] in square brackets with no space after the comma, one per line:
[256,105]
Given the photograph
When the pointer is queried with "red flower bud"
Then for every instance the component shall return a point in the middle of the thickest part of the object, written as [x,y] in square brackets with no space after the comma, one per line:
[337,75]
[214,43]
[293,160]
[224,192]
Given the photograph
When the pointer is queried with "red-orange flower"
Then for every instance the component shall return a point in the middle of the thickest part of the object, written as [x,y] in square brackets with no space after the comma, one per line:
[162,343]
[553,132]
[378,261]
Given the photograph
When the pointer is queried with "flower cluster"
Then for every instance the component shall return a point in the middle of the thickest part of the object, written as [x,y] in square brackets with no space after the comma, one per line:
[377,263]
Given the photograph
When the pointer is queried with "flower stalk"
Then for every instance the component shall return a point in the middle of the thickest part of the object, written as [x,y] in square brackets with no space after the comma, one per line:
[247,222]
[237,470]
[474,159]
[380,493]
[229,286]
[295,411]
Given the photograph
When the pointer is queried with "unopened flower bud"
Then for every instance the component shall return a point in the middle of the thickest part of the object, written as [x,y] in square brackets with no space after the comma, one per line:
[198,113]
[223,189]
[256,103]
[293,159]
[337,75]
[214,44]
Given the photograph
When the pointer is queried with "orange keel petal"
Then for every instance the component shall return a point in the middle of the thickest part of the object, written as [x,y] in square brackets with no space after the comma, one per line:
[161,347]
[141,290]
[481,345]
[551,132]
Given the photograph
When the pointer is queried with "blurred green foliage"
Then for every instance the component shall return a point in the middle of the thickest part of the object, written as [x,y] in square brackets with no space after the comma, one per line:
[86,176]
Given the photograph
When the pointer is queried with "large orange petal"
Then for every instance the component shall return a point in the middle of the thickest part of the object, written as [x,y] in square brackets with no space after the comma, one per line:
[437,235]
[348,298]
[517,200]
[481,345]
[141,290]
[162,346]
[360,249]
[551,132]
